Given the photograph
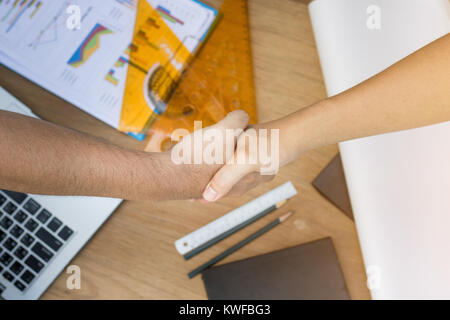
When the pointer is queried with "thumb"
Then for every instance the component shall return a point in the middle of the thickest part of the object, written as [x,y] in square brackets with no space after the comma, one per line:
[224,180]
[231,127]
[234,120]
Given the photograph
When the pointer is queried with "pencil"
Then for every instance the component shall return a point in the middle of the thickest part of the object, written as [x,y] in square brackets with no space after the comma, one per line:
[233,230]
[239,245]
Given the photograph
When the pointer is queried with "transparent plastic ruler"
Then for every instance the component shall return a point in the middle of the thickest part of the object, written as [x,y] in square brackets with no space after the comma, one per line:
[235,217]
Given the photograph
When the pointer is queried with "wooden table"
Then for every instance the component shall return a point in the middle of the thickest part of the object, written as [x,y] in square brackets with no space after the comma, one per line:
[133,255]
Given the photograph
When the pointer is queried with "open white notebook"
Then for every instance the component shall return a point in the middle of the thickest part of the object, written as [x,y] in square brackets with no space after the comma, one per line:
[399,183]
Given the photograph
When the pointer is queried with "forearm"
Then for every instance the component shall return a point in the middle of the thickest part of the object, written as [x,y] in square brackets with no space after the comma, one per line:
[39,157]
[412,93]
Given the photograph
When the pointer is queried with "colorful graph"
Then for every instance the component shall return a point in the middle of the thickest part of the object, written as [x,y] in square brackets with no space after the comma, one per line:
[16,2]
[165,13]
[128,3]
[89,46]
[110,77]
[120,62]
[117,73]
[23,6]
[36,9]
[131,48]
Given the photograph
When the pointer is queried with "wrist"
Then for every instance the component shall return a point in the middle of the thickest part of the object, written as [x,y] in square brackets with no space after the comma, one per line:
[305,129]
[171,181]
[286,138]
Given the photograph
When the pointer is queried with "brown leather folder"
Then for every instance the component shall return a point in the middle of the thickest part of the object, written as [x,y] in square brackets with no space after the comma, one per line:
[307,271]
[331,184]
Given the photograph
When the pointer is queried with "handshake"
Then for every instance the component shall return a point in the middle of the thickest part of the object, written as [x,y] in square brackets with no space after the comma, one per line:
[228,158]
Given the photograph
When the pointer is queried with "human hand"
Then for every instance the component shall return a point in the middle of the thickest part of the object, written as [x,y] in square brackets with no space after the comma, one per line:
[256,160]
[199,155]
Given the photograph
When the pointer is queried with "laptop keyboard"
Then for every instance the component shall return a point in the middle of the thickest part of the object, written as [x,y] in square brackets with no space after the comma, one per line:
[30,237]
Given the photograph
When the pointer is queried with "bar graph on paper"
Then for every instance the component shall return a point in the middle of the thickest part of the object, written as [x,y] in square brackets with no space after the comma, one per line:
[13,12]
[167,15]
[128,3]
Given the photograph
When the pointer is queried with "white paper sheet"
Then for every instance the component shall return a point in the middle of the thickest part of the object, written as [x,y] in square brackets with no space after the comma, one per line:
[42,47]
[399,183]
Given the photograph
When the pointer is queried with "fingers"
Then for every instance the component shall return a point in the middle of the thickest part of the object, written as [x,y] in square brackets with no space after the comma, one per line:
[229,175]
[234,120]
[224,180]
[249,182]
[230,128]
[242,172]
[191,147]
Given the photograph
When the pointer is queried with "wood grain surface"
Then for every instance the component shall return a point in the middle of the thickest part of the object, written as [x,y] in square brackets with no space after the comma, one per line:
[133,255]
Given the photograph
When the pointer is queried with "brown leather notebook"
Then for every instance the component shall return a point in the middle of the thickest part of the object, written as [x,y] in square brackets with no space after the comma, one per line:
[331,184]
[304,272]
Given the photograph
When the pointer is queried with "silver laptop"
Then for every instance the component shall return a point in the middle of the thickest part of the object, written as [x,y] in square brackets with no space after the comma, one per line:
[40,235]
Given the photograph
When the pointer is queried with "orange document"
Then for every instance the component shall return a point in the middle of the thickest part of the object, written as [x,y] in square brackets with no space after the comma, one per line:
[157,59]
[169,85]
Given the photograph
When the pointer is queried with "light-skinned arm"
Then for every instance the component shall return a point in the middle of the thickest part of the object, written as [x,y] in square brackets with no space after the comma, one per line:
[412,93]
[40,157]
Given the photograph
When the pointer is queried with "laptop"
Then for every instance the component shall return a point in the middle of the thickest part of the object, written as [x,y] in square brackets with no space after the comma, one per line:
[40,235]
[398,182]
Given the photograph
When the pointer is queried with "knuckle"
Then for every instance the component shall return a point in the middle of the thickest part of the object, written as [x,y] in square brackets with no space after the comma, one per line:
[240,114]
[219,185]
